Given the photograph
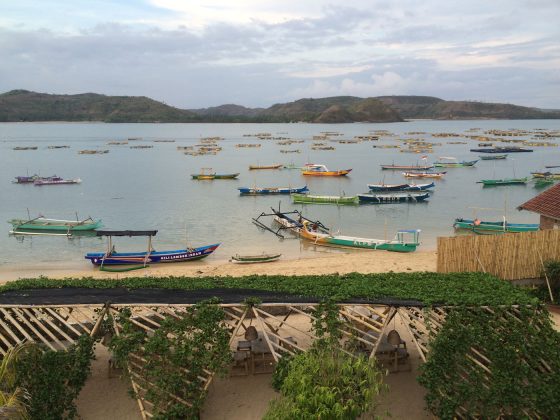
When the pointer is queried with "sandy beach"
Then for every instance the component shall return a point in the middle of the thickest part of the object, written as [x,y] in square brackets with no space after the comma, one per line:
[355,261]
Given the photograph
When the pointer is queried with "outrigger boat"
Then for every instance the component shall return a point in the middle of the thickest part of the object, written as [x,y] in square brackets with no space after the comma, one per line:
[502,226]
[424,174]
[505,181]
[325,199]
[390,198]
[252,259]
[322,170]
[111,257]
[400,187]
[451,162]
[42,225]
[408,167]
[271,190]
[39,182]
[253,167]
[207,174]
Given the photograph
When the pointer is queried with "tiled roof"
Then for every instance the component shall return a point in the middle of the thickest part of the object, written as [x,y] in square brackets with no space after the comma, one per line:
[546,203]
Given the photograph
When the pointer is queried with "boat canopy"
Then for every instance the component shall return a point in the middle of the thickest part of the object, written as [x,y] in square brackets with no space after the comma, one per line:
[126,232]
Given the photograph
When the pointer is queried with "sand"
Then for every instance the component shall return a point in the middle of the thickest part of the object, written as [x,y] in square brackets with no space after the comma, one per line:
[358,261]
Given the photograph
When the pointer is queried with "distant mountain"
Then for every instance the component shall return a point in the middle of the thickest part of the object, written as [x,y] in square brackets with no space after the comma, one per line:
[23,105]
[411,107]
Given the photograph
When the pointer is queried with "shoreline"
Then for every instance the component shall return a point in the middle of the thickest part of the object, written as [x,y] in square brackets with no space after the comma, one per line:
[362,262]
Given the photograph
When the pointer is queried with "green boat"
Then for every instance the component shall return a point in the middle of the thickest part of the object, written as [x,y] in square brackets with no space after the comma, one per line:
[53,226]
[325,199]
[543,182]
[252,259]
[502,226]
[505,181]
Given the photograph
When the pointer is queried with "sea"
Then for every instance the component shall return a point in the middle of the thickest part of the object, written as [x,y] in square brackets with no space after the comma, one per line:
[151,188]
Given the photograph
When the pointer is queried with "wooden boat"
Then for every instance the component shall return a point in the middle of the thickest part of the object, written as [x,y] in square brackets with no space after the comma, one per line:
[400,187]
[551,175]
[322,170]
[543,182]
[54,225]
[207,174]
[424,174]
[502,150]
[252,259]
[398,244]
[390,198]
[271,190]
[493,157]
[31,179]
[254,167]
[503,226]
[408,167]
[40,182]
[111,257]
[449,162]
[505,181]
[25,148]
[324,199]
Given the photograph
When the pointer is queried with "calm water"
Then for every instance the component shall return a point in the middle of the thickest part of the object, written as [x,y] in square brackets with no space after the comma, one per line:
[152,189]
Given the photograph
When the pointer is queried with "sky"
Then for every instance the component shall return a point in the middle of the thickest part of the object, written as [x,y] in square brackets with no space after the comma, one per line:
[201,53]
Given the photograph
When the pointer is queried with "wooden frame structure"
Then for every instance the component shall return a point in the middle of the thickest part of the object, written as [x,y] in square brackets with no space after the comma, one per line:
[285,328]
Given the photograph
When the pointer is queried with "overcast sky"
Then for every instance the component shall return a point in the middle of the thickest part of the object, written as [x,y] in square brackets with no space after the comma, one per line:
[196,53]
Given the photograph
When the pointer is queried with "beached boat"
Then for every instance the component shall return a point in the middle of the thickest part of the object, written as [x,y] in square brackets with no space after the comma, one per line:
[254,167]
[54,225]
[505,181]
[322,170]
[208,174]
[111,257]
[424,174]
[49,181]
[400,187]
[252,259]
[503,226]
[271,190]
[398,244]
[408,167]
[451,162]
[324,199]
[390,198]
[502,150]
[493,157]
[31,179]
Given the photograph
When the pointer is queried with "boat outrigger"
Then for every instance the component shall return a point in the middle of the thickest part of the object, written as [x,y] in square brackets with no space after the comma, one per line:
[111,257]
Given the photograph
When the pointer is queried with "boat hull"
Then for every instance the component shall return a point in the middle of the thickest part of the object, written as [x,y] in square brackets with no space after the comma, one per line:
[255,259]
[407,167]
[424,174]
[494,226]
[493,157]
[455,164]
[372,244]
[324,199]
[128,258]
[214,176]
[400,187]
[51,225]
[269,191]
[326,173]
[496,182]
[392,198]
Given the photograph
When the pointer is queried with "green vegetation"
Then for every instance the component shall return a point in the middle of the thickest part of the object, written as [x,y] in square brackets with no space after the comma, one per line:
[173,361]
[13,398]
[522,359]
[427,288]
[53,379]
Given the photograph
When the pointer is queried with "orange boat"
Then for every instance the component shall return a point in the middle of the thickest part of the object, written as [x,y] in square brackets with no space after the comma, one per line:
[321,170]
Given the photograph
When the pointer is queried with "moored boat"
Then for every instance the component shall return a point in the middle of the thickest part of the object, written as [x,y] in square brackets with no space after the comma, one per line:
[503,226]
[54,225]
[324,199]
[493,157]
[252,259]
[408,167]
[551,175]
[400,187]
[271,190]
[208,174]
[31,179]
[254,167]
[424,174]
[502,150]
[451,162]
[322,170]
[49,181]
[505,181]
[390,198]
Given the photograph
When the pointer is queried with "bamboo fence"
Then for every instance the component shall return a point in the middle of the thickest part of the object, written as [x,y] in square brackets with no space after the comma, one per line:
[511,256]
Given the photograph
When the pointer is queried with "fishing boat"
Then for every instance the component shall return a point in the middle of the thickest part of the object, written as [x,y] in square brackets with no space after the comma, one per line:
[543,182]
[408,167]
[271,190]
[322,170]
[502,226]
[505,181]
[502,150]
[31,179]
[493,157]
[111,257]
[44,225]
[451,162]
[208,174]
[254,167]
[552,175]
[252,259]
[390,198]
[400,187]
[424,174]
[324,199]
[40,182]
[398,244]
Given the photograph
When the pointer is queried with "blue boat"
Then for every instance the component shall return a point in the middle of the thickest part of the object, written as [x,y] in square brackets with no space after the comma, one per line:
[272,190]
[400,187]
[111,257]
[390,198]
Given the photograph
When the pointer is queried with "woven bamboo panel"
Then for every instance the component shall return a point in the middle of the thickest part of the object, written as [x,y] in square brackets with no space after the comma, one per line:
[511,256]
